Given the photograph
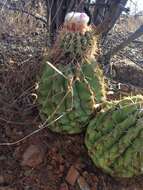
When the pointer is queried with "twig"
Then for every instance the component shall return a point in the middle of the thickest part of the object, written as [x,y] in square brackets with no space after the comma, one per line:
[115,10]
[17,123]
[56,69]
[3,5]
[36,16]
[33,133]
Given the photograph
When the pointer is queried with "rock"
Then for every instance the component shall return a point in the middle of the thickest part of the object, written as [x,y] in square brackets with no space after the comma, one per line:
[128,72]
[64,186]
[93,188]
[83,184]
[2,179]
[72,176]
[33,156]
[2,158]
[92,180]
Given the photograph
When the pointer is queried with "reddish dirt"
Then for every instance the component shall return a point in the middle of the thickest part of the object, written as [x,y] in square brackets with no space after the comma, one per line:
[59,154]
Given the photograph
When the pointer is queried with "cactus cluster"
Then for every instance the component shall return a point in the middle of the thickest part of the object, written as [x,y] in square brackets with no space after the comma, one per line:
[114,138]
[70,89]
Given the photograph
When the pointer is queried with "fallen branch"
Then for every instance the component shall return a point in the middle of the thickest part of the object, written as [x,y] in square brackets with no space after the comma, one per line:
[132,37]
[138,41]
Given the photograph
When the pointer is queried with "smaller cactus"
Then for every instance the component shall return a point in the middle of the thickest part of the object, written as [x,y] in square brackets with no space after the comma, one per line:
[114,139]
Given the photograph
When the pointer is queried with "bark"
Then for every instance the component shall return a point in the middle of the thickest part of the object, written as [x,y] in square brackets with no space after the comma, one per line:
[110,12]
[99,11]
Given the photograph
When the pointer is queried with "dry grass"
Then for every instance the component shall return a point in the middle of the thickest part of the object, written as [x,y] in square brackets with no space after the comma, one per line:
[18,24]
[130,23]
[18,91]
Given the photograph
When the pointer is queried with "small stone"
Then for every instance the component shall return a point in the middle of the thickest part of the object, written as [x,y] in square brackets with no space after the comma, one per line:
[83,184]
[2,158]
[2,179]
[33,156]
[61,168]
[72,176]
[93,188]
[64,186]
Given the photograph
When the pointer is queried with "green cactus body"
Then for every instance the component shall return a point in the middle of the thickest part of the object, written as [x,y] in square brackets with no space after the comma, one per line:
[115,138]
[77,44]
[73,97]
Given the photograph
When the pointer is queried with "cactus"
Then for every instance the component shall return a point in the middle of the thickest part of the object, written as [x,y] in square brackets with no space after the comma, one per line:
[114,139]
[71,87]
[73,84]
[72,96]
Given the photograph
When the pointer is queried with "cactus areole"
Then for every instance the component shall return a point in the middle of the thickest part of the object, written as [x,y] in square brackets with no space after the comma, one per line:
[72,84]
[114,139]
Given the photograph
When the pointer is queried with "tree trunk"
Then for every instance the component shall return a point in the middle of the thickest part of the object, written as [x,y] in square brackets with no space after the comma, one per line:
[110,12]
